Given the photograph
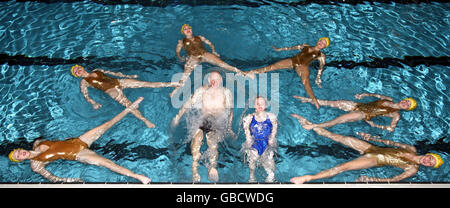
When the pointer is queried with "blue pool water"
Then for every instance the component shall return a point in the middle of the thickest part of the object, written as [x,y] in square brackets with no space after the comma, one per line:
[43,99]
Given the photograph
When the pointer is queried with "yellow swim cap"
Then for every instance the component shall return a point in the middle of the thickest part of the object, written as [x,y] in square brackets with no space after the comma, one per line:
[182,27]
[438,159]
[413,104]
[326,39]
[10,156]
[71,70]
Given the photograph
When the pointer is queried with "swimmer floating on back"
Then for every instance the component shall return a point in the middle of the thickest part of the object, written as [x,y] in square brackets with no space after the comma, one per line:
[113,87]
[300,63]
[212,107]
[196,54]
[359,111]
[404,157]
[260,130]
[45,151]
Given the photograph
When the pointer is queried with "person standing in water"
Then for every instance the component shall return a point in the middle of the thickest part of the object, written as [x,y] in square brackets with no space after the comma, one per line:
[210,109]
[300,63]
[46,151]
[359,111]
[260,132]
[404,156]
[196,54]
[114,87]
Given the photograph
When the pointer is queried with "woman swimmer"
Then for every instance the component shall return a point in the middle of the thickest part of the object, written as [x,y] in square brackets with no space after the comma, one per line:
[359,111]
[404,157]
[45,151]
[300,63]
[113,87]
[260,130]
[196,54]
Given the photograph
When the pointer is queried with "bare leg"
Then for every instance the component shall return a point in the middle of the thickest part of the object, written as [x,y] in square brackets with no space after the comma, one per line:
[190,65]
[351,142]
[252,156]
[213,59]
[344,105]
[195,150]
[269,167]
[349,117]
[118,96]
[95,133]
[212,140]
[303,73]
[283,64]
[90,157]
[132,83]
[357,164]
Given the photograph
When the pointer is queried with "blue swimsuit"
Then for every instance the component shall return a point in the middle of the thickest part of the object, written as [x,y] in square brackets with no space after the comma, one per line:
[260,132]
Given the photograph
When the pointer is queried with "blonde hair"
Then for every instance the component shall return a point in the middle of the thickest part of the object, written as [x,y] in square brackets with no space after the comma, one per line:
[11,155]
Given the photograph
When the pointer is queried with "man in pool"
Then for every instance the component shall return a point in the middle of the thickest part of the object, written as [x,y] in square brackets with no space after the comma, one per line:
[359,111]
[196,54]
[113,87]
[404,157]
[300,63]
[45,151]
[260,130]
[210,112]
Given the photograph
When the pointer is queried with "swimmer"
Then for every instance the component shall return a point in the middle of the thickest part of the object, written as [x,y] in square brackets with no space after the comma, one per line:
[403,156]
[300,63]
[196,54]
[113,87]
[359,111]
[260,130]
[213,104]
[45,151]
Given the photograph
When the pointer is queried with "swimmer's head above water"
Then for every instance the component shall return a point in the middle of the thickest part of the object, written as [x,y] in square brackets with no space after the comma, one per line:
[408,104]
[77,71]
[323,42]
[186,29]
[215,79]
[260,104]
[432,160]
[18,155]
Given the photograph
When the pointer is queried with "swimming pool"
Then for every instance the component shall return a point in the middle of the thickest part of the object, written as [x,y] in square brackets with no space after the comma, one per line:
[394,49]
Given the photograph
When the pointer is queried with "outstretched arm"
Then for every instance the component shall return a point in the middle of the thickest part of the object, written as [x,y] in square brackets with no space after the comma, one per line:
[319,73]
[297,47]
[178,49]
[187,105]
[406,174]
[39,167]
[117,74]
[272,137]
[84,89]
[369,137]
[210,45]
[382,97]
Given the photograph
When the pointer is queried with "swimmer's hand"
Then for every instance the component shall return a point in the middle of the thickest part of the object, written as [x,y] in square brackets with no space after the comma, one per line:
[360,96]
[366,136]
[363,178]
[96,106]
[73,180]
[182,59]
[215,53]
[132,76]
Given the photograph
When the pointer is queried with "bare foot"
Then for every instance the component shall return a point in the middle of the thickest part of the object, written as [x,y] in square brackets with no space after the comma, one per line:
[144,179]
[303,99]
[213,175]
[305,123]
[149,124]
[195,177]
[301,179]
[316,103]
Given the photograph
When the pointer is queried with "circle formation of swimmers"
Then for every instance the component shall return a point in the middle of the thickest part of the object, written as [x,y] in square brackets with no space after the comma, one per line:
[210,114]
